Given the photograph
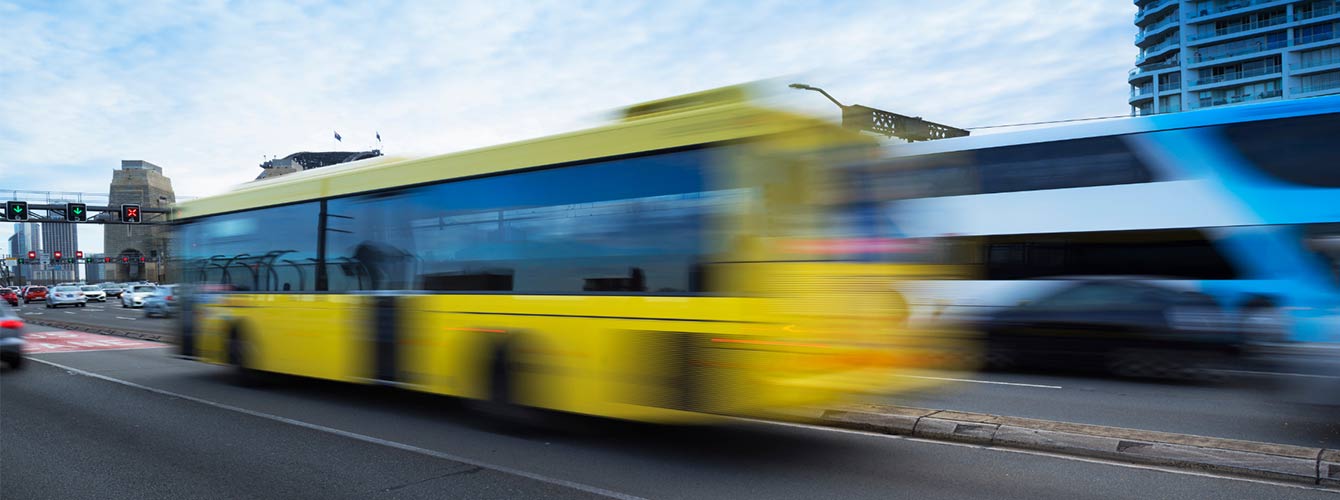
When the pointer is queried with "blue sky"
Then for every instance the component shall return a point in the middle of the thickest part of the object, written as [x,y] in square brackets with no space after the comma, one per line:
[208,89]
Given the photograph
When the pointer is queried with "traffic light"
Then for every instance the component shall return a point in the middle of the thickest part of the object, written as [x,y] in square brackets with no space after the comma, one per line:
[56,256]
[32,255]
[16,210]
[130,213]
[141,259]
[79,254]
[76,212]
[125,260]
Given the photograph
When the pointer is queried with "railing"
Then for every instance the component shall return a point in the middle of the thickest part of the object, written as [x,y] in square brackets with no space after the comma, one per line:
[1238,75]
[1237,99]
[1321,61]
[1164,87]
[1198,57]
[1139,16]
[1317,87]
[1155,49]
[1240,4]
[1238,28]
[1170,20]
[1313,38]
[1153,67]
[1139,92]
[1316,12]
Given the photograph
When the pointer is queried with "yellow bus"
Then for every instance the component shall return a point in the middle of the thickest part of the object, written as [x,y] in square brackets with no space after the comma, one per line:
[677,264]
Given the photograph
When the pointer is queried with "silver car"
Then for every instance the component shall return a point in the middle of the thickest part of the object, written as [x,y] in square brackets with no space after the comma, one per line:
[66,296]
[136,294]
[162,303]
[93,292]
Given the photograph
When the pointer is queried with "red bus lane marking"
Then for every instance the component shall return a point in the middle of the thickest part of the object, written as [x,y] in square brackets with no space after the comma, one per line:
[67,341]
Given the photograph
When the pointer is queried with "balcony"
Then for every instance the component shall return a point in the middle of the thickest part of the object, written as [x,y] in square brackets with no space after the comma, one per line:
[1313,38]
[1164,87]
[1319,62]
[1153,8]
[1148,69]
[1239,28]
[1317,87]
[1237,75]
[1155,29]
[1246,49]
[1317,12]
[1142,93]
[1233,6]
[1237,99]
[1157,50]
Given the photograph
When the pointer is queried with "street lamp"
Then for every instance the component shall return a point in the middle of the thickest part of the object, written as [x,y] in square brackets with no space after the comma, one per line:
[868,119]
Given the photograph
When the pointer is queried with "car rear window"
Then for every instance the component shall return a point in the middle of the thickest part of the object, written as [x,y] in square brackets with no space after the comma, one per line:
[38,289]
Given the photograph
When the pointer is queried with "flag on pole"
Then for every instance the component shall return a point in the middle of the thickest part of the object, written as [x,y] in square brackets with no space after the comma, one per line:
[379,136]
[337,136]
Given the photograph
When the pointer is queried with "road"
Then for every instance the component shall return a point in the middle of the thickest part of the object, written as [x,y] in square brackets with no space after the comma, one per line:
[108,314]
[1220,410]
[138,423]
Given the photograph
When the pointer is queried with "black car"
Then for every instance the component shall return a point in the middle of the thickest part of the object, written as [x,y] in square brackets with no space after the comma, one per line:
[11,338]
[1129,327]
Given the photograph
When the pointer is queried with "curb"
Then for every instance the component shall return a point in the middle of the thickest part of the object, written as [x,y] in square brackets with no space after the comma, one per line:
[155,337]
[1298,464]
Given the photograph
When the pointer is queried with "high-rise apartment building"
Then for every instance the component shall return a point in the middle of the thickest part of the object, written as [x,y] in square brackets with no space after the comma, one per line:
[63,238]
[1203,53]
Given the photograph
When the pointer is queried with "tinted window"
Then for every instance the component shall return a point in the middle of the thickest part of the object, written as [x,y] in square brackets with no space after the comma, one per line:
[1299,150]
[627,225]
[271,249]
[1178,254]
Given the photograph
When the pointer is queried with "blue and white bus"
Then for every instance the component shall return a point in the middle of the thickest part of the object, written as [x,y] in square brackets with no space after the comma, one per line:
[1241,203]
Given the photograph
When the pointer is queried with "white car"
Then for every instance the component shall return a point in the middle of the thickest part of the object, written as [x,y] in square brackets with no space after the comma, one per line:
[93,292]
[134,295]
[66,296]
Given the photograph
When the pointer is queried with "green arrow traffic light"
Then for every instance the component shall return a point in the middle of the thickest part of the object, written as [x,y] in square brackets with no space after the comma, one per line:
[76,212]
[16,210]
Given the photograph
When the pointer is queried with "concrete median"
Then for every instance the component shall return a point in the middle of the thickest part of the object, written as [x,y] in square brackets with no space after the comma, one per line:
[1299,464]
[85,327]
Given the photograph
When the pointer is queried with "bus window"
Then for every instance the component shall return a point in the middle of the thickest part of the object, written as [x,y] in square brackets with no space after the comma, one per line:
[1099,161]
[1299,150]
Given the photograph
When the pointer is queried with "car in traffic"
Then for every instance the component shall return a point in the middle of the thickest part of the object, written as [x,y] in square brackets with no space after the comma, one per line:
[94,293]
[11,339]
[68,295]
[1130,327]
[136,294]
[10,296]
[34,293]
[163,302]
[111,289]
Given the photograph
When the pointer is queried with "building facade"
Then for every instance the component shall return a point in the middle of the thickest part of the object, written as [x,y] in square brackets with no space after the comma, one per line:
[1198,54]
[63,238]
[137,181]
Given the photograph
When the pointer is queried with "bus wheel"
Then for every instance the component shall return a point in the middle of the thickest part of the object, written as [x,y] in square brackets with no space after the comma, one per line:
[500,403]
[239,357]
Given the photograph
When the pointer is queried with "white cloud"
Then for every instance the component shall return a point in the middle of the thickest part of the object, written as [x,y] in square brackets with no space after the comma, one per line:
[207,89]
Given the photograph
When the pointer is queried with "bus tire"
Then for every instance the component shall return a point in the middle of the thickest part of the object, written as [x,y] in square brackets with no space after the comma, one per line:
[500,403]
[239,357]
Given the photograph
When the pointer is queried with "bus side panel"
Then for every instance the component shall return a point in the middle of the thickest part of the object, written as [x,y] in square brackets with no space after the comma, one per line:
[299,334]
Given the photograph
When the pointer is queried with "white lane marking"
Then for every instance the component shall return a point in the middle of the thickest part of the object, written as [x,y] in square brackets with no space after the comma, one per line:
[353,435]
[1021,451]
[36,313]
[93,350]
[1040,386]
[68,312]
[1278,374]
[123,317]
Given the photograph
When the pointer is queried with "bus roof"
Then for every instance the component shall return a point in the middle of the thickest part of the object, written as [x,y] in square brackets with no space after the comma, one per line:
[725,114]
[1131,125]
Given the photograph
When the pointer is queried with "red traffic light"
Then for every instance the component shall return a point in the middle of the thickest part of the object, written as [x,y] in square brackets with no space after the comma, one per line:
[141,260]
[56,255]
[78,254]
[125,259]
[106,260]
[32,255]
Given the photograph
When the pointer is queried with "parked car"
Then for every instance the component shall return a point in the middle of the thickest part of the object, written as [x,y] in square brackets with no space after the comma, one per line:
[1131,327]
[135,295]
[110,288]
[66,296]
[10,296]
[163,302]
[34,293]
[11,339]
[94,293]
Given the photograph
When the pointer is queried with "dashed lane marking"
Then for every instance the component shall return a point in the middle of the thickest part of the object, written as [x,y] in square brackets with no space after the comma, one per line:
[992,382]
[123,317]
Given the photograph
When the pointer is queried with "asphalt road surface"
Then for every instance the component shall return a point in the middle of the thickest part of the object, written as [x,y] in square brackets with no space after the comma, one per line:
[138,423]
[108,314]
